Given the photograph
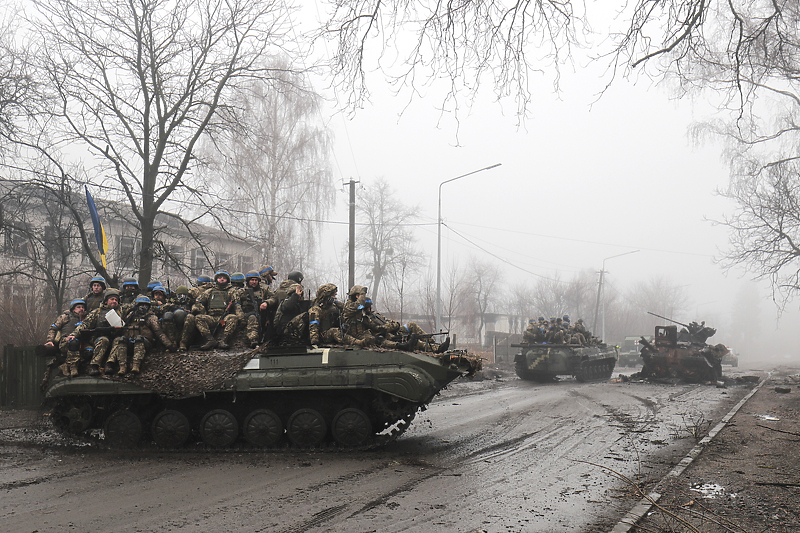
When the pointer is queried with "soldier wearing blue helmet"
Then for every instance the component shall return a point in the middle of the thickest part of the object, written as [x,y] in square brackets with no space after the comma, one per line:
[63,326]
[96,295]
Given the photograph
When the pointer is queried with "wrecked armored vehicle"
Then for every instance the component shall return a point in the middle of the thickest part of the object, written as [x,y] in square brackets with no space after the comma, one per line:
[271,397]
[683,355]
[544,362]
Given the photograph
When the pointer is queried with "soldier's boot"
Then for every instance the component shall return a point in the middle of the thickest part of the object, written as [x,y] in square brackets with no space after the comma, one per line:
[136,367]
[73,371]
[64,367]
[409,344]
[94,370]
[253,340]
[123,368]
[444,346]
[210,342]
[183,347]
[225,343]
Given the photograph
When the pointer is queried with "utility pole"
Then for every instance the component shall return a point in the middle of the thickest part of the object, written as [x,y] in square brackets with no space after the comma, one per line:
[351,277]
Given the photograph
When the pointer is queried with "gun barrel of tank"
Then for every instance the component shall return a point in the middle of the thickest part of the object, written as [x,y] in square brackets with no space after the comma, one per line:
[669,319]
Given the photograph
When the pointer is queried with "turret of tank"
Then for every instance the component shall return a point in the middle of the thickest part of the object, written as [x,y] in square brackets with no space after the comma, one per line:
[683,355]
[544,362]
[300,396]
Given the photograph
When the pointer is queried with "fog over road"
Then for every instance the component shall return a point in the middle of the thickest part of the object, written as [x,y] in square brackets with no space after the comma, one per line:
[495,455]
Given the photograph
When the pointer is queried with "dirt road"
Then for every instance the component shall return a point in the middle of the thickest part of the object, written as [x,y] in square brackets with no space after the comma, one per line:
[498,455]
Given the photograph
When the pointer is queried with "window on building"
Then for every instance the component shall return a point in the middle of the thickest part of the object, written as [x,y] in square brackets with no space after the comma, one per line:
[224,261]
[128,253]
[173,259]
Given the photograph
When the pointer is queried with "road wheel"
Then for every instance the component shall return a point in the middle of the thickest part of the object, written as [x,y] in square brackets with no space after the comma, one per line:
[72,417]
[262,428]
[171,429]
[306,428]
[219,428]
[351,427]
[123,429]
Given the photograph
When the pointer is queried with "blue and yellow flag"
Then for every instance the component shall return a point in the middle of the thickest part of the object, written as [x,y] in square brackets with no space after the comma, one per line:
[99,232]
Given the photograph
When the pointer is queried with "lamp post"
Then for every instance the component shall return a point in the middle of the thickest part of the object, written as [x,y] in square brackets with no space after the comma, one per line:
[601,290]
[437,325]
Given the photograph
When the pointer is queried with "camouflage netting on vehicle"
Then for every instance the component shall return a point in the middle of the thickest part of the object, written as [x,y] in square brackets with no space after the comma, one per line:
[184,375]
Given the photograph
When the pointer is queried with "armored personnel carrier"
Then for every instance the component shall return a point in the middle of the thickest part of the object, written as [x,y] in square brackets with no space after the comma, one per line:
[682,355]
[270,397]
[544,362]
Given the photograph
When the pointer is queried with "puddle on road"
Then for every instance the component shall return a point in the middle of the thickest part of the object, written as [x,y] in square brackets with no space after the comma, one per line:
[711,490]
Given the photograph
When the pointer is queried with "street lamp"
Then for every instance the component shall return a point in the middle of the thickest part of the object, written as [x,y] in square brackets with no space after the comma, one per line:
[438,322]
[601,289]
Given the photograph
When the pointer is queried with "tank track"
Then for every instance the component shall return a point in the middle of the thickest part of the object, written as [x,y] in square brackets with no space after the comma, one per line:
[72,421]
[595,370]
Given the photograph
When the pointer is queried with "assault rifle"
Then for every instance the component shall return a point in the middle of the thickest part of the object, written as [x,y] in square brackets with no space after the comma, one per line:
[221,321]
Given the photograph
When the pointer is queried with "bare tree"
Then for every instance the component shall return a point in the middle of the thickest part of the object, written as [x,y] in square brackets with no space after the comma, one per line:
[17,87]
[485,290]
[713,42]
[40,238]
[276,169]
[765,229]
[136,84]
[385,236]
[661,296]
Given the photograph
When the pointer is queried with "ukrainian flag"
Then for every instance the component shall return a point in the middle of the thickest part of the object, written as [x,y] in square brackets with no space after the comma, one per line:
[99,232]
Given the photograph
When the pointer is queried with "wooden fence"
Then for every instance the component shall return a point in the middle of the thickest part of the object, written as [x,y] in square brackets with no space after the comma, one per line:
[21,373]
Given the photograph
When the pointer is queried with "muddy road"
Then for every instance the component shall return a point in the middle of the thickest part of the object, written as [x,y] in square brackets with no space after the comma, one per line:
[499,455]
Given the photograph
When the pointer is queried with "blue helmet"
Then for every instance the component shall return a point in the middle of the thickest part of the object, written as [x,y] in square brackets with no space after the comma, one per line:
[202,278]
[265,270]
[153,284]
[142,299]
[160,288]
[130,282]
[98,279]
[77,301]
[237,277]
[219,273]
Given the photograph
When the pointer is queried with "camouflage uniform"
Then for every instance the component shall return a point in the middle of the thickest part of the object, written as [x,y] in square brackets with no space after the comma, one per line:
[203,284]
[324,318]
[209,309]
[100,342]
[583,333]
[291,318]
[63,326]
[95,299]
[417,338]
[355,322]
[141,329]
[534,334]
[267,274]
[130,290]
[251,299]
